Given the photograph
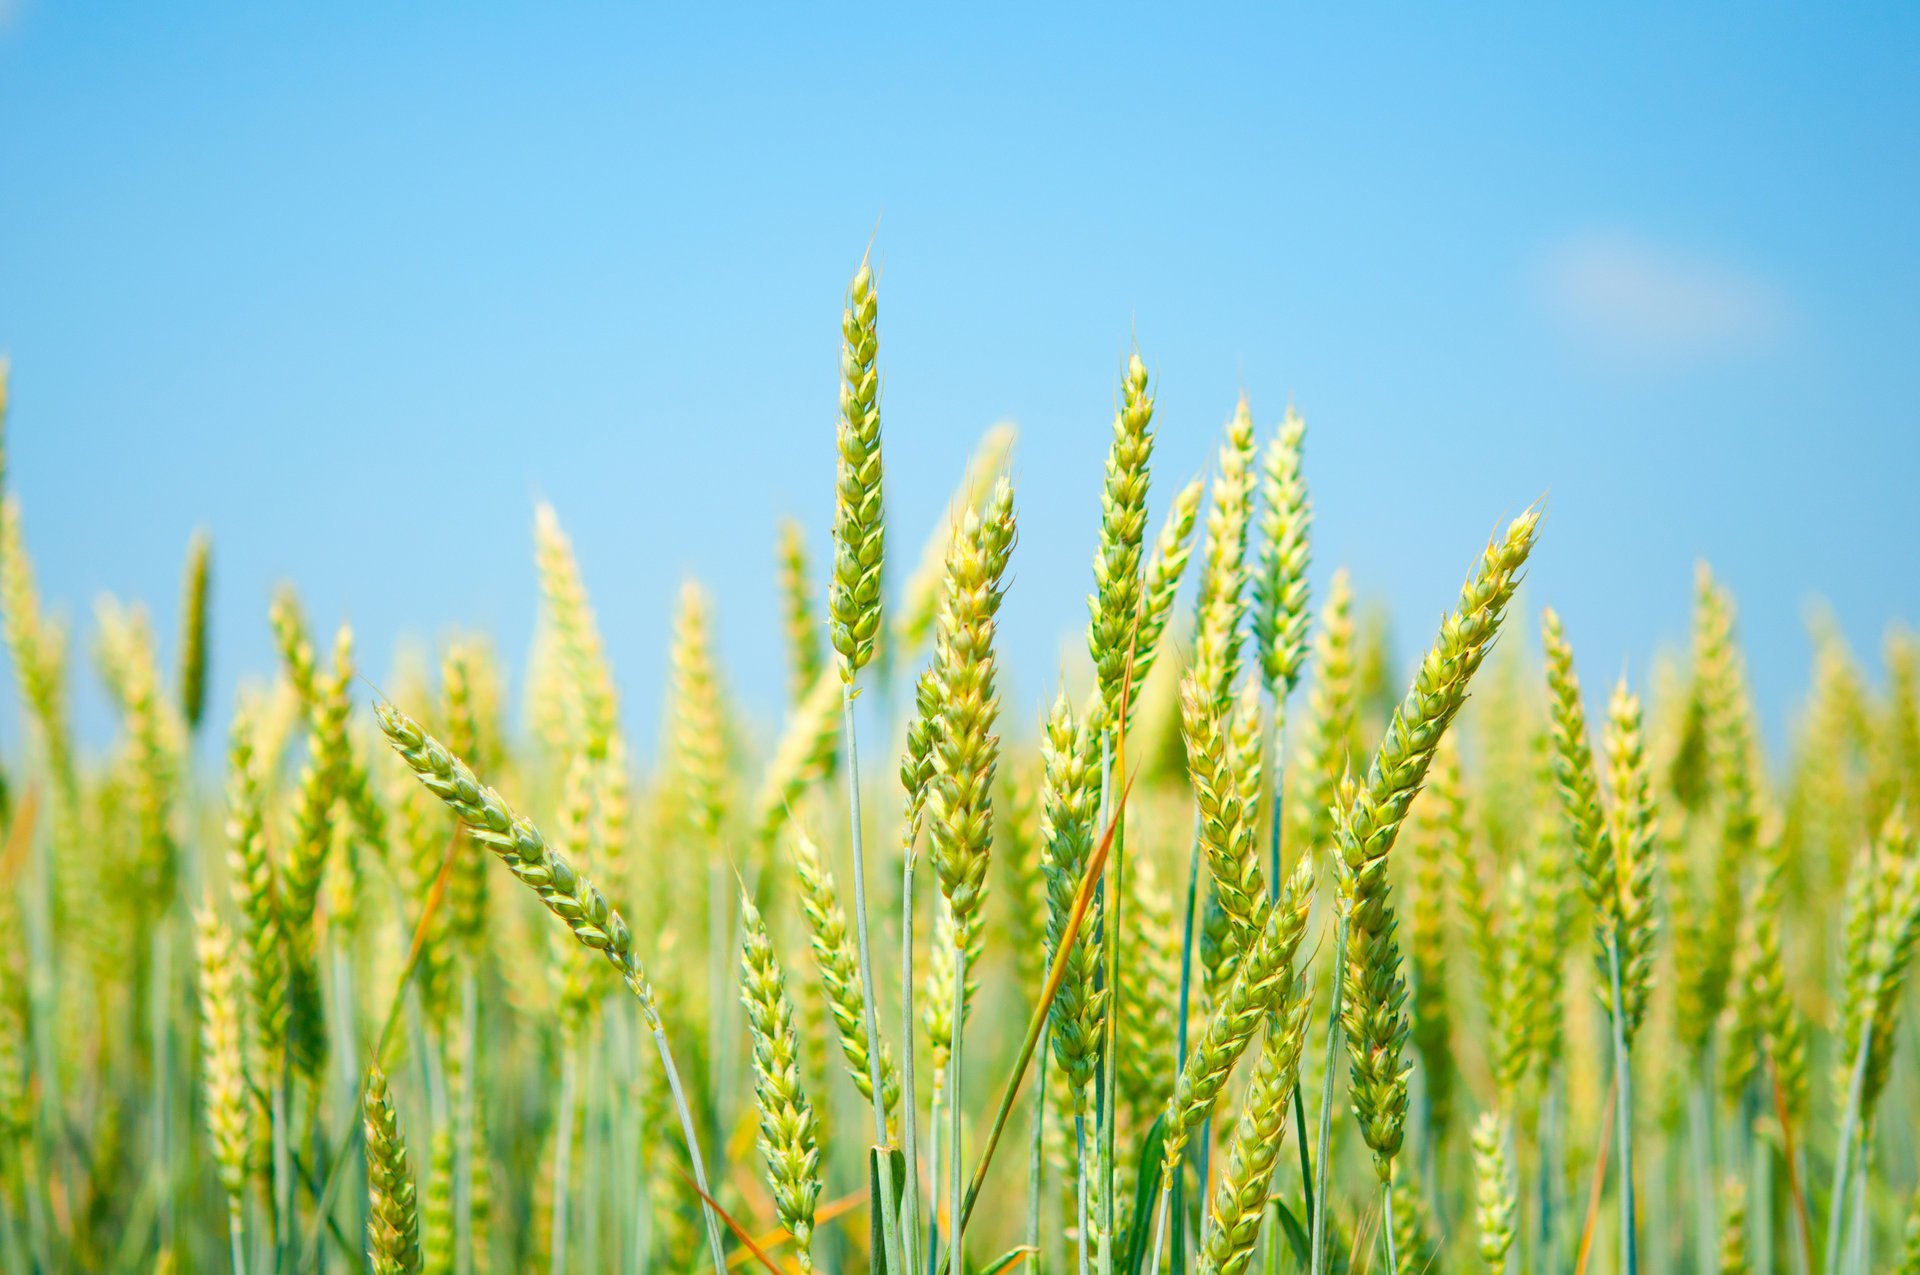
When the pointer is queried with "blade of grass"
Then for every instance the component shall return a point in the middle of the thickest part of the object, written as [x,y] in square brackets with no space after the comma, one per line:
[1082,900]
[1599,1179]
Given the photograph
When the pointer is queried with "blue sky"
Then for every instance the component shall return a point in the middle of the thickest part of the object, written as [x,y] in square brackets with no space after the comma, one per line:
[354,286]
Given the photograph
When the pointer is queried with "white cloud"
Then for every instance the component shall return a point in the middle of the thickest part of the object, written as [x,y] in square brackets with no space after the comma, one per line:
[1622,297]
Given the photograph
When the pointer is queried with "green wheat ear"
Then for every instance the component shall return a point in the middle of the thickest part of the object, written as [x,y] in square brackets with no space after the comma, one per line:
[859,532]
[1280,588]
[960,799]
[789,1134]
[229,1106]
[393,1215]
[1374,992]
[1115,604]
[193,629]
[1495,1203]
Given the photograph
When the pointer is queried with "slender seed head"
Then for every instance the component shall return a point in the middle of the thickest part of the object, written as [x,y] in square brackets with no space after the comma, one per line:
[798,612]
[1115,604]
[590,707]
[838,961]
[1222,606]
[1226,819]
[1280,591]
[566,894]
[229,1112]
[393,1216]
[1261,984]
[1495,1202]
[1635,840]
[193,630]
[789,1135]
[1374,991]
[859,533]
[1069,806]
[960,800]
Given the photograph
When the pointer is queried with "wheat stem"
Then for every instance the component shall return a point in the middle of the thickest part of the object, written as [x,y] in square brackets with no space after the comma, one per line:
[890,1222]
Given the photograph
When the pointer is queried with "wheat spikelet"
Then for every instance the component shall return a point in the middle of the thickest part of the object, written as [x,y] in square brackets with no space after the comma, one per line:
[838,962]
[1713,936]
[789,1135]
[1373,991]
[1733,1227]
[1069,806]
[459,709]
[1240,1201]
[960,798]
[436,1214]
[699,731]
[1222,605]
[920,598]
[228,1107]
[1263,980]
[1115,604]
[859,531]
[1495,1203]
[1434,826]
[1226,820]
[1280,588]
[1168,563]
[1326,735]
[590,705]
[193,630]
[798,613]
[309,842]
[525,852]
[393,1219]
[1635,832]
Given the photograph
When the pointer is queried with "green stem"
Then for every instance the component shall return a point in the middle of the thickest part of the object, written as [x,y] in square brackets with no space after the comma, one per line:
[161,1023]
[909,1095]
[958,1172]
[1386,1225]
[1036,1158]
[1276,736]
[1623,1114]
[1178,1186]
[1700,1134]
[889,1219]
[463,1123]
[1325,1136]
[281,1101]
[1843,1157]
[1086,1212]
[692,1136]
[1110,1043]
[237,1233]
[563,1155]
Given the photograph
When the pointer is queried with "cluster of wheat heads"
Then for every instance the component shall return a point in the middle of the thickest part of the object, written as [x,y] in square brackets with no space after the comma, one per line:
[1254,954]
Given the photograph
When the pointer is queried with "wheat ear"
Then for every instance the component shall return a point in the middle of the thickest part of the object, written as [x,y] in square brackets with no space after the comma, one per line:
[1240,1201]
[229,1106]
[393,1215]
[789,1135]
[1495,1203]
[571,898]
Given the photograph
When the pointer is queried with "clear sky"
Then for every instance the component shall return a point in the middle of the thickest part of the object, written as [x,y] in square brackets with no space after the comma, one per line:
[354,285]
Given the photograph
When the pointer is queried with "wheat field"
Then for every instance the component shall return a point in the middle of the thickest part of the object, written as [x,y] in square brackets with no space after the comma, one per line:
[1245,951]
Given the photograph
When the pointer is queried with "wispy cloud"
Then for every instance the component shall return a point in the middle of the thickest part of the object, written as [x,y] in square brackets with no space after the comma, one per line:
[1620,296]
